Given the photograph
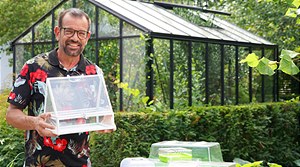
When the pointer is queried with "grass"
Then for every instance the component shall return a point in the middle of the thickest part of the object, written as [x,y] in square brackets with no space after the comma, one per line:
[11,139]
[3,103]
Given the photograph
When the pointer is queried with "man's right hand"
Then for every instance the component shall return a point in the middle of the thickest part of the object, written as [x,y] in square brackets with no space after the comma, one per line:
[16,118]
[42,126]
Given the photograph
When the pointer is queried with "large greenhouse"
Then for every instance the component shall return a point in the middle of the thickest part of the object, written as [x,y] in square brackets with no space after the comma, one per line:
[162,54]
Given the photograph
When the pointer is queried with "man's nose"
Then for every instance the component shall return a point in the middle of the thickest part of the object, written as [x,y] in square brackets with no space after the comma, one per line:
[75,36]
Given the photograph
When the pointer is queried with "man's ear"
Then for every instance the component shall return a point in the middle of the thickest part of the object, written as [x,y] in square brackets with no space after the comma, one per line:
[56,32]
[89,35]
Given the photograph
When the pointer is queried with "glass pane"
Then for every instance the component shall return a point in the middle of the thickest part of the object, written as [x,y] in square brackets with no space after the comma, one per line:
[109,63]
[108,25]
[285,84]
[229,75]
[26,39]
[42,48]
[134,73]
[162,70]
[198,73]
[180,74]
[269,80]
[43,31]
[256,82]
[23,53]
[130,30]
[214,73]
[243,77]
[90,51]
[191,17]
[77,121]
[66,5]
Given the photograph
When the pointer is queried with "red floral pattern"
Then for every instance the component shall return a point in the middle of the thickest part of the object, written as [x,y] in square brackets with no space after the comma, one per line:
[48,142]
[38,75]
[12,96]
[90,70]
[24,70]
[60,145]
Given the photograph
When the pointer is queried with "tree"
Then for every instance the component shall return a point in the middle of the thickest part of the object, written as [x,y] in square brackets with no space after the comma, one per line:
[267,67]
[16,16]
[288,58]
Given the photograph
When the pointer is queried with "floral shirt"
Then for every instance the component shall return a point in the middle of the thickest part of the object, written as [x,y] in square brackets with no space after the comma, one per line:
[29,90]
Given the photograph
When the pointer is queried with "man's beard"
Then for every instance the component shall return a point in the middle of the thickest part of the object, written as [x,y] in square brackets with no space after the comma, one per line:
[71,52]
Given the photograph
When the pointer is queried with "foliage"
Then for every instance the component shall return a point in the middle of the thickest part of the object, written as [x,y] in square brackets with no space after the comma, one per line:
[265,18]
[259,164]
[293,10]
[11,139]
[3,103]
[16,16]
[268,19]
[287,57]
[134,93]
[243,131]
[267,67]
[268,132]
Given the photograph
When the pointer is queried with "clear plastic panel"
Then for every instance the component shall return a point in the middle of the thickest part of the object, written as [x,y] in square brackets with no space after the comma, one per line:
[148,162]
[137,162]
[174,154]
[201,151]
[77,93]
[78,104]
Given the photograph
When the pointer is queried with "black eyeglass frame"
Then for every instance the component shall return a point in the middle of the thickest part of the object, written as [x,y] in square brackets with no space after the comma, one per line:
[77,32]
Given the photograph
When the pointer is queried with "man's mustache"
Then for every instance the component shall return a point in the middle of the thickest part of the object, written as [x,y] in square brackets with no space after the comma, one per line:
[72,42]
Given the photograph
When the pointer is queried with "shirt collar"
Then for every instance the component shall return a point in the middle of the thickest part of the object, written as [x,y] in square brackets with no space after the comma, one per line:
[53,60]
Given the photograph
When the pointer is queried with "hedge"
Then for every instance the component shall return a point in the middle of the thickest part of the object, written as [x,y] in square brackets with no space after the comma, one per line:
[268,132]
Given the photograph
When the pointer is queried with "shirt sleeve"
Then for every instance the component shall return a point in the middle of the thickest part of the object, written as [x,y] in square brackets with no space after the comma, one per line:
[20,93]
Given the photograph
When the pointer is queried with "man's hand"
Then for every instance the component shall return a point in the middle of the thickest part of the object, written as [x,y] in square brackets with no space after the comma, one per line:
[18,119]
[42,127]
[108,120]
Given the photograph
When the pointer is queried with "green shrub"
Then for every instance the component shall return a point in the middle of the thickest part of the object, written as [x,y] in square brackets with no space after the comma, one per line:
[268,132]
[11,139]
[11,146]
[259,164]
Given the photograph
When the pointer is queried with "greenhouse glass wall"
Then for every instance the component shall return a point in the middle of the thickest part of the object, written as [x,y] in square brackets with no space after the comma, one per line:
[151,55]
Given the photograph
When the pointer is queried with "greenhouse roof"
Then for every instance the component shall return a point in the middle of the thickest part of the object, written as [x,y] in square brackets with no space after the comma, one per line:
[158,22]
[161,23]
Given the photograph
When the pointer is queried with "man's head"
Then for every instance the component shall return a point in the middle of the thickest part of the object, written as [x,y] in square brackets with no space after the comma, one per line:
[72,32]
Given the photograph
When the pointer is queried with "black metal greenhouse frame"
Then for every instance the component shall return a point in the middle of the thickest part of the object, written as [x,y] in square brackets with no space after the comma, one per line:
[150,50]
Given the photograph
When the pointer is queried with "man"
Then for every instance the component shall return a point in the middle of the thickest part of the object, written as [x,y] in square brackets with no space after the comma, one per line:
[42,147]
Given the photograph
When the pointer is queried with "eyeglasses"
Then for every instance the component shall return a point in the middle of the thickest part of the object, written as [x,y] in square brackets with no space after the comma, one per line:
[69,32]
